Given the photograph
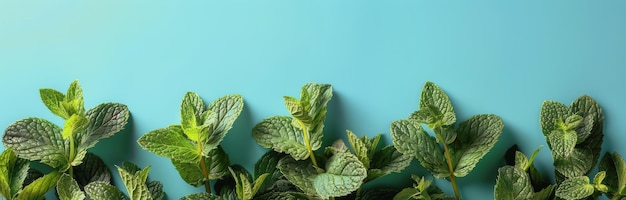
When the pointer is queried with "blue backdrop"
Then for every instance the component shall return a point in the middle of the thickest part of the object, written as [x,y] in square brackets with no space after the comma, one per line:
[501,57]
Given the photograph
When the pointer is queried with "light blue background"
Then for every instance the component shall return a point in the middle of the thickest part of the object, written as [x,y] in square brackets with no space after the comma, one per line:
[501,57]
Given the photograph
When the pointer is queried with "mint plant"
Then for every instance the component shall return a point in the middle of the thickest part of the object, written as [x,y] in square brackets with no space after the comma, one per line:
[63,149]
[453,151]
[14,178]
[194,145]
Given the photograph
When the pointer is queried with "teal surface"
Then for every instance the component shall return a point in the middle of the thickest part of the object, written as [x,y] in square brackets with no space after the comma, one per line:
[501,57]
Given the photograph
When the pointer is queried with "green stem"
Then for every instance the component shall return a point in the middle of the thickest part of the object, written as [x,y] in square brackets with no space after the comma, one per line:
[72,155]
[307,142]
[207,183]
[455,187]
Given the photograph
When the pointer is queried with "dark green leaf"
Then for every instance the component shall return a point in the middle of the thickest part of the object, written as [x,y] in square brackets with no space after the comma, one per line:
[406,194]
[92,169]
[170,142]
[13,172]
[268,164]
[513,183]
[476,137]
[388,160]
[227,109]
[156,190]
[216,165]
[551,112]
[279,134]
[577,164]
[202,196]
[545,193]
[300,173]
[575,188]
[104,121]
[376,194]
[410,139]
[37,139]
[39,187]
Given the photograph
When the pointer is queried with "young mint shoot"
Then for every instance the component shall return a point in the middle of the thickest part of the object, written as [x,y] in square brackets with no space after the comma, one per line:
[453,151]
[194,145]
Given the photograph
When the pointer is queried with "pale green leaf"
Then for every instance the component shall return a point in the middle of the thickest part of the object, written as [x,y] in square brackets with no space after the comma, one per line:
[13,172]
[361,149]
[521,161]
[38,188]
[575,188]
[387,160]
[576,164]
[37,139]
[104,121]
[103,191]
[315,99]
[344,174]
[190,111]
[136,183]
[476,137]
[437,106]
[410,139]
[279,134]
[74,124]
[599,177]
[216,163]
[67,189]
[73,101]
[170,142]
[52,99]
[202,196]
[297,110]
[300,173]
[551,112]
[513,183]
[228,108]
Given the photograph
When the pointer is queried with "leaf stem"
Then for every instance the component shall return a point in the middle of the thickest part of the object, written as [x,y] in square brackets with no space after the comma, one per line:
[455,187]
[72,155]
[307,141]
[207,183]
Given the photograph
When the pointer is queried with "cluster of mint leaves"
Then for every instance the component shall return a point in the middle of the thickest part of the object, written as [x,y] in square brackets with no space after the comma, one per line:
[64,150]
[297,167]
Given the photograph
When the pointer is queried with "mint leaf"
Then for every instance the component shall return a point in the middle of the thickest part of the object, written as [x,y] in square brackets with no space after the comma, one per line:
[476,137]
[91,170]
[577,164]
[575,188]
[410,139]
[37,139]
[297,110]
[386,161]
[344,174]
[228,109]
[615,168]
[73,101]
[74,124]
[362,148]
[435,107]
[68,189]
[52,99]
[190,113]
[217,163]
[104,121]
[170,142]
[136,183]
[513,183]
[544,194]
[300,173]
[562,142]
[103,191]
[39,187]
[156,190]
[267,164]
[202,196]
[279,134]
[13,172]
[551,112]
[406,194]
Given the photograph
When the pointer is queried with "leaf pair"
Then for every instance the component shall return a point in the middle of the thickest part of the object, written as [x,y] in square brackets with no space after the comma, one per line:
[467,143]
[300,134]
[39,139]
[518,181]
[133,178]
[378,163]
[13,179]
[193,146]
[574,134]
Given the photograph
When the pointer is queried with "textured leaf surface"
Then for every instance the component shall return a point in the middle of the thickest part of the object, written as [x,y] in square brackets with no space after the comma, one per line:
[268,164]
[575,188]
[551,112]
[52,99]
[190,113]
[361,148]
[279,134]
[202,196]
[92,169]
[300,173]
[104,121]
[39,187]
[103,191]
[435,107]
[228,109]
[217,166]
[170,142]
[410,139]
[13,172]
[67,189]
[513,183]
[544,194]
[37,139]
[388,160]
[344,174]
[577,164]
[314,98]
[156,190]
[476,137]
[136,183]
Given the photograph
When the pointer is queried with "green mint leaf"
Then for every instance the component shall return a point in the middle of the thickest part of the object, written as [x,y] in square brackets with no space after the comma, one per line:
[279,134]
[74,124]
[297,110]
[615,168]
[361,148]
[73,101]
[202,196]
[228,109]
[53,99]
[314,99]
[170,142]
[476,137]
[32,175]
[13,172]
[267,165]
[387,160]
[599,177]
[191,110]
[544,194]
[344,174]
[104,121]
[258,182]
[38,188]
[551,112]
[136,183]
[37,139]
[575,188]
[576,164]
[103,191]
[406,194]
[156,190]
[376,194]
[588,108]
[130,167]
[438,110]
[91,170]
[513,183]
[217,163]
[300,173]
[562,143]
[521,161]
[409,138]
[68,189]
